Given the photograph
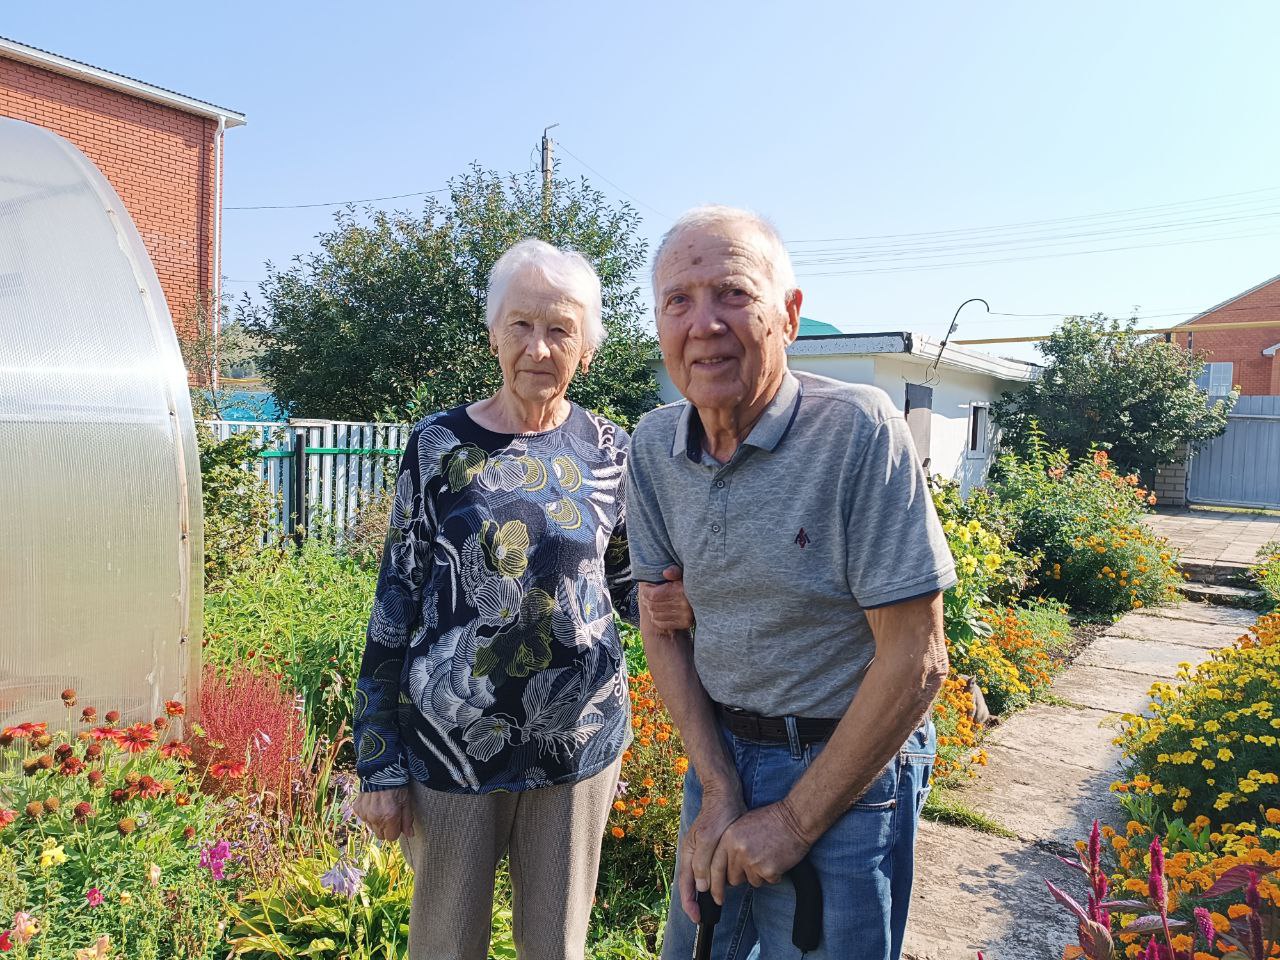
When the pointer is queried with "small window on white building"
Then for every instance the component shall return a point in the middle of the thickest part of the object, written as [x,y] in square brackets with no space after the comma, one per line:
[979,429]
[1215,379]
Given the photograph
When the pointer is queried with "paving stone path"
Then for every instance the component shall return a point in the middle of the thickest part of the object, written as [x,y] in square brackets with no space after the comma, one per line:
[1049,776]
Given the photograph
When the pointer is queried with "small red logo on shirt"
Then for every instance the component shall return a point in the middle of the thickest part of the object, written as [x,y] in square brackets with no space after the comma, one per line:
[802,539]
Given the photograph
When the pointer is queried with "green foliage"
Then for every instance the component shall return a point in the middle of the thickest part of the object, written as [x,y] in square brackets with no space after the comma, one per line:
[387,318]
[299,915]
[1104,385]
[237,504]
[135,838]
[300,613]
[1267,573]
[1013,663]
[1086,520]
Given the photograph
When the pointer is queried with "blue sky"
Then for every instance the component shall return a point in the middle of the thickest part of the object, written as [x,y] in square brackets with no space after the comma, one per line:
[1148,126]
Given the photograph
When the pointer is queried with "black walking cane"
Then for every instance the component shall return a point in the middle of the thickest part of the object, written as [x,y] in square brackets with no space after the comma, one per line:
[806,925]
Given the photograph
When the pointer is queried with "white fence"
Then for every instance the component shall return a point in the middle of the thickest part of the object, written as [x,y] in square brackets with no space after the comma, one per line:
[338,466]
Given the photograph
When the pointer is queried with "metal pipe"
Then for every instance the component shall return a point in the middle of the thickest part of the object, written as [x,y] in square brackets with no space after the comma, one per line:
[215,319]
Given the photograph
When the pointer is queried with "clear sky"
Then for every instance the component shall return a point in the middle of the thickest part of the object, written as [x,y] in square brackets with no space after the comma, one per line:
[894,133]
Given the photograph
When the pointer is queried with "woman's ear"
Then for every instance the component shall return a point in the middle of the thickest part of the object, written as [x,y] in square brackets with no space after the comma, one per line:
[585,363]
[493,346]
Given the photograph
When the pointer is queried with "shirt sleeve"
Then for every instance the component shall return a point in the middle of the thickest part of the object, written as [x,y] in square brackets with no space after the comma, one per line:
[396,615]
[896,548]
[647,538]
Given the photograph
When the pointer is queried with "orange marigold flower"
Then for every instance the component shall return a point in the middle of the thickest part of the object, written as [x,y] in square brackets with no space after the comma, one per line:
[618,833]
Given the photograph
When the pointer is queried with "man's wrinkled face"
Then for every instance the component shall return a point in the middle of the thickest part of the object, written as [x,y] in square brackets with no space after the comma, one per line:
[723,323]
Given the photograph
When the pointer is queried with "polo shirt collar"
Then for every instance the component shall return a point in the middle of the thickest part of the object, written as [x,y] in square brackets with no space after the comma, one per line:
[766,434]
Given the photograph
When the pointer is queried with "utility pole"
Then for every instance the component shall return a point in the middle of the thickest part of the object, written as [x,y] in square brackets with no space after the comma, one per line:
[548,145]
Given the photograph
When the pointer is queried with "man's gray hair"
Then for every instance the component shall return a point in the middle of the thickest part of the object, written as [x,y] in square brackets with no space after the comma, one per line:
[566,270]
[712,214]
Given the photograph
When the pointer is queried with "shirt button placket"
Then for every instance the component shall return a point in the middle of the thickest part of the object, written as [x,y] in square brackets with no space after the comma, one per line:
[720,528]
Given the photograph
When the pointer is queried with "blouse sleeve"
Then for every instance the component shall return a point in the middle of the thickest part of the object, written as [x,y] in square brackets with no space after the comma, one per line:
[396,615]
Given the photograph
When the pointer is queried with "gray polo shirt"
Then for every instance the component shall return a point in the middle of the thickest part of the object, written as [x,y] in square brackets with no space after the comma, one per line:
[822,513]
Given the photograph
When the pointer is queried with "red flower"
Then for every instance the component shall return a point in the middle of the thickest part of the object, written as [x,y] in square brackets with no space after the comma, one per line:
[105,733]
[113,716]
[7,817]
[176,749]
[174,708]
[88,714]
[150,787]
[160,723]
[119,795]
[63,751]
[95,778]
[82,811]
[72,766]
[5,943]
[138,738]
[26,730]
[93,751]
[69,697]
[224,769]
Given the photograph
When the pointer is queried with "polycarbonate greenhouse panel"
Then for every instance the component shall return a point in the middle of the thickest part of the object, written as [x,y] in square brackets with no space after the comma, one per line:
[100,520]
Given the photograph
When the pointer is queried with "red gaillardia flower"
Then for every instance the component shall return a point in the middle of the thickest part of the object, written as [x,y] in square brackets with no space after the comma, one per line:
[82,812]
[88,714]
[176,749]
[138,738]
[112,716]
[174,708]
[69,697]
[226,769]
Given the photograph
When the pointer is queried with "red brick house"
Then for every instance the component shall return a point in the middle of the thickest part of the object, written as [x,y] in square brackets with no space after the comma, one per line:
[1247,357]
[160,150]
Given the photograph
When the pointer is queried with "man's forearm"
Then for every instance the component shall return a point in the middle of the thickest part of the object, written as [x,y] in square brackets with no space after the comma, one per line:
[670,655]
[893,699]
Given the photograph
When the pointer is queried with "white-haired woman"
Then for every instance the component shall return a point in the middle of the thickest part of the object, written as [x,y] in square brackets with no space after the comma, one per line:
[492,706]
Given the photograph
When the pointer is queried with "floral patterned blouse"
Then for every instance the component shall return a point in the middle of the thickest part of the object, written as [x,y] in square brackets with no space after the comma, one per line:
[491,659]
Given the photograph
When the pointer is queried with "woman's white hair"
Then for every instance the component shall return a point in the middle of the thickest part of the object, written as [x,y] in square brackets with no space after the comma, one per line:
[710,215]
[566,270]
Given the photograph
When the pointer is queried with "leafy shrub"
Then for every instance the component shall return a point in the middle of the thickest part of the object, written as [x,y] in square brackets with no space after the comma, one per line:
[237,504]
[1209,746]
[1098,555]
[959,738]
[104,833]
[1267,573]
[994,517]
[331,906]
[983,565]
[301,616]
[364,538]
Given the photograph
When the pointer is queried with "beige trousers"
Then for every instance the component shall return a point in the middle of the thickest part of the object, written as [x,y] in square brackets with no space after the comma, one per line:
[552,839]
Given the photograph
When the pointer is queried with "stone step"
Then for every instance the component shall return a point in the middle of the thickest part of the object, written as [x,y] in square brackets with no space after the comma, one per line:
[1215,571]
[1223,595]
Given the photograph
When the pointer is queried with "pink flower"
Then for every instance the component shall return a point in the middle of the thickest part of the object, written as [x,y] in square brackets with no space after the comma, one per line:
[94,897]
[24,927]
[1155,883]
[1205,922]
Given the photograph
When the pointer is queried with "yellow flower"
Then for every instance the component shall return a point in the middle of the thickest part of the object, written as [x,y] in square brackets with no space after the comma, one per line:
[52,854]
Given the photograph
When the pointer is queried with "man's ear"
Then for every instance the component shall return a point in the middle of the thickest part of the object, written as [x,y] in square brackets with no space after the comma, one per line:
[793,315]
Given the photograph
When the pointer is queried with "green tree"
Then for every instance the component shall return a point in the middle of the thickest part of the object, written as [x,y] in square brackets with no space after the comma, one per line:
[387,316]
[1104,384]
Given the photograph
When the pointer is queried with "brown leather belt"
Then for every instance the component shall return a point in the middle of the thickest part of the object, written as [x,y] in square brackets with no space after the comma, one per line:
[752,726]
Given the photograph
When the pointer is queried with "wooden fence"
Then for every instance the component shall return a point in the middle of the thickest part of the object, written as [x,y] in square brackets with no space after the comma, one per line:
[322,471]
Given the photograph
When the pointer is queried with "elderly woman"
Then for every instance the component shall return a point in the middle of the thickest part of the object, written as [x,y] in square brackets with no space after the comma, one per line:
[492,706]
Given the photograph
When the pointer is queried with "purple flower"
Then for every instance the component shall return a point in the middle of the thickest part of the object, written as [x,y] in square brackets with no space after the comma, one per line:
[94,897]
[214,859]
[621,789]
[1155,883]
[344,879]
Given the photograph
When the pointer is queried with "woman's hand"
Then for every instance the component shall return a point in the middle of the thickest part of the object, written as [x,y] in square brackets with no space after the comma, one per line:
[388,813]
[665,604]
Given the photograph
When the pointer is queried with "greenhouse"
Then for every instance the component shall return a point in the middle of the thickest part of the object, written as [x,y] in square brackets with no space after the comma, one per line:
[100,535]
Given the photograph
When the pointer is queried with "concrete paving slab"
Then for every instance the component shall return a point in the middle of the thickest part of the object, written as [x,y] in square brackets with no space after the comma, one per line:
[1137,656]
[1196,635]
[977,892]
[1102,689]
[1061,735]
[1198,612]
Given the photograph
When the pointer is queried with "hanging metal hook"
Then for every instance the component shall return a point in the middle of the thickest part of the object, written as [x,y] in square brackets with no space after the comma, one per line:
[929,378]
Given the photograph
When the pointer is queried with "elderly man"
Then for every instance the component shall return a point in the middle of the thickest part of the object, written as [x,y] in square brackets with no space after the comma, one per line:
[815,565]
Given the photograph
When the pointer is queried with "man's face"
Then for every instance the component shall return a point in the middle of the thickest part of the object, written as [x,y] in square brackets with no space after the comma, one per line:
[723,325]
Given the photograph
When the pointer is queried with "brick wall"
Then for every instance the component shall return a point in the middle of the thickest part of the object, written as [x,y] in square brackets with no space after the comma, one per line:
[1171,480]
[160,160]
[1255,374]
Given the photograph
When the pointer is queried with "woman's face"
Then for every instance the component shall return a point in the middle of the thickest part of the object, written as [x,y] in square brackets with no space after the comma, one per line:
[540,338]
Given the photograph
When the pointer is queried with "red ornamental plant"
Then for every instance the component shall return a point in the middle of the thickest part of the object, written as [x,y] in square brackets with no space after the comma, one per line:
[252,733]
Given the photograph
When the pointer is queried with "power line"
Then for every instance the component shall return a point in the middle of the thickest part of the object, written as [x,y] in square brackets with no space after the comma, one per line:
[338,203]
[1043,222]
[1041,256]
[625,193]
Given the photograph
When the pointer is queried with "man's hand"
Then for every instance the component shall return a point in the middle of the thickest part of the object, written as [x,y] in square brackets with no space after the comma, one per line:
[387,812]
[665,604]
[695,871]
[760,847]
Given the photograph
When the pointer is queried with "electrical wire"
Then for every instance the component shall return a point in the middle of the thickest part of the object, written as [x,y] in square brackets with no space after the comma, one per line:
[338,203]
[625,193]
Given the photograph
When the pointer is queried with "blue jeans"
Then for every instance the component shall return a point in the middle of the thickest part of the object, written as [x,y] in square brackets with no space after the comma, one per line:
[865,861]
